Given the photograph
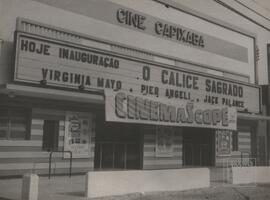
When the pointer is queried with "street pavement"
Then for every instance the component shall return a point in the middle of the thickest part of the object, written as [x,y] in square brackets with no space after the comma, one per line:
[65,188]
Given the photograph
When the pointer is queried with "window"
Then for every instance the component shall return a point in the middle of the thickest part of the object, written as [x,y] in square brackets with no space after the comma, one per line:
[14,124]
[235,141]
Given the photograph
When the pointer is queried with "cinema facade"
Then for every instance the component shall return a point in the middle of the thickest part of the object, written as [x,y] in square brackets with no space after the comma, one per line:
[129,90]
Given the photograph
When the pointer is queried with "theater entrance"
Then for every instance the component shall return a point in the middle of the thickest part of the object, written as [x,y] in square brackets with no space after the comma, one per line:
[198,147]
[117,147]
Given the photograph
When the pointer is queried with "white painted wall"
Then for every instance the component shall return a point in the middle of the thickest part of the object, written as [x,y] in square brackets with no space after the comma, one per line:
[245,175]
[108,183]
[219,13]
[82,24]
[191,54]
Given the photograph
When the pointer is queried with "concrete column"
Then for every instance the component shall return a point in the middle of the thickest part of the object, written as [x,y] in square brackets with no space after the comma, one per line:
[30,187]
[87,184]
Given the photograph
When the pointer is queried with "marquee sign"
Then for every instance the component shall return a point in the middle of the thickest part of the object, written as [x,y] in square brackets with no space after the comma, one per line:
[55,63]
[137,19]
[124,107]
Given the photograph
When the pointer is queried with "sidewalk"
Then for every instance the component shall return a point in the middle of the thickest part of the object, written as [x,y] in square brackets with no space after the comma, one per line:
[65,188]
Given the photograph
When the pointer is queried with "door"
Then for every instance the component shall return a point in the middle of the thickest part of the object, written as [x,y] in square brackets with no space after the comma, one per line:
[118,146]
[50,135]
[198,147]
[188,154]
[120,156]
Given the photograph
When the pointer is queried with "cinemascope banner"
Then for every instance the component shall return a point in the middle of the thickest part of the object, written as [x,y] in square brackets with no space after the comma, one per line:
[126,107]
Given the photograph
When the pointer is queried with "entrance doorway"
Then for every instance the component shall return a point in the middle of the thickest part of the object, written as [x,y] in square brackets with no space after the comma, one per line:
[50,135]
[118,146]
[198,147]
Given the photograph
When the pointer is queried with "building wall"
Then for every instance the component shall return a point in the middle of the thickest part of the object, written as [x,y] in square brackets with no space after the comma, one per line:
[220,14]
[195,23]
[97,26]
[18,157]
[27,155]
[152,161]
[260,143]
[244,140]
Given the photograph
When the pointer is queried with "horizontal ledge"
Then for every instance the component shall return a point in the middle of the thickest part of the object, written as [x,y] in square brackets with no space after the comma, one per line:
[51,93]
[252,116]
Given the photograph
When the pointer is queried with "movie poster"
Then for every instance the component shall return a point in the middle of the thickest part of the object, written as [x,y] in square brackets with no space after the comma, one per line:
[78,131]
[164,141]
[224,142]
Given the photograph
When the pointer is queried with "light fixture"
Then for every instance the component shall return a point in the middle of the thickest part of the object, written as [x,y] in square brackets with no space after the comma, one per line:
[81,87]
[11,94]
[43,82]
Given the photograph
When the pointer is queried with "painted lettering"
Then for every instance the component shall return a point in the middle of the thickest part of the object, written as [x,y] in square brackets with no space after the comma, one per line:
[138,108]
[34,47]
[131,19]
[179,34]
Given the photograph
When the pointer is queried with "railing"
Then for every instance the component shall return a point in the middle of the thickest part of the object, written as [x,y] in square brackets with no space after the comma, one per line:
[244,158]
[70,161]
[242,161]
[235,162]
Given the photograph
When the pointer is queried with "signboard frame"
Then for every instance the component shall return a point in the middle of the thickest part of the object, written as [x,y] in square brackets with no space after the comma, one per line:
[128,108]
[117,56]
[78,133]
[224,138]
